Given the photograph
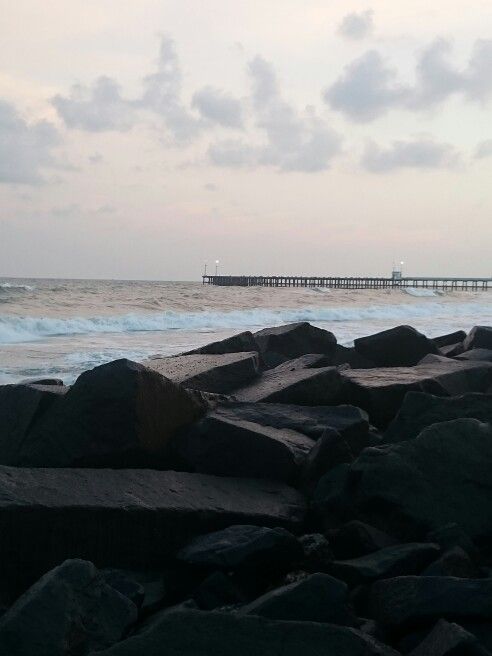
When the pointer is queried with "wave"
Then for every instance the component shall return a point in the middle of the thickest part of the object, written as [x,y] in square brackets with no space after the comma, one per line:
[14,329]
[10,286]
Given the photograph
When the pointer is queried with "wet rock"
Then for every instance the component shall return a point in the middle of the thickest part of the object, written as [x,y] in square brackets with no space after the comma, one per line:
[355,539]
[449,338]
[292,340]
[129,519]
[200,633]
[402,346]
[70,610]
[398,560]
[410,600]
[447,639]
[420,410]
[220,374]
[224,447]
[240,343]
[316,598]
[243,547]
[479,337]
[454,562]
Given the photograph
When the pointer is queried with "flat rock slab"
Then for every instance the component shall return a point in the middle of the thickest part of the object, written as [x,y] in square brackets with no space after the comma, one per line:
[198,633]
[124,518]
[220,374]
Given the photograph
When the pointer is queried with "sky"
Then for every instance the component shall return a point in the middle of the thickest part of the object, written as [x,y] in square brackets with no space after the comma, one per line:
[141,140]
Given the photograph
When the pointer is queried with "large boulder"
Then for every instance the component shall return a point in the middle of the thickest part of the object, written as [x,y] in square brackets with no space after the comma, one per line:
[243,547]
[225,447]
[441,476]
[420,410]
[130,519]
[118,414]
[329,451]
[410,600]
[316,598]
[476,355]
[356,538]
[449,639]
[283,343]
[200,633]
[479,337]
[220,374]
[402,346]
[240,343]
[70,610]
[449,339]
[381,391]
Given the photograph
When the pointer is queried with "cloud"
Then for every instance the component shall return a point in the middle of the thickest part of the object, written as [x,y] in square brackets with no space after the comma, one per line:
[484,149]
[293,140]
[217,107]
[367,89]
[26,149]
[418,154]
[357,25]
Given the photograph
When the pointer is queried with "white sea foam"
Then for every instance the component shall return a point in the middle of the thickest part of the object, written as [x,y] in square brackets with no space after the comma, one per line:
[8,285]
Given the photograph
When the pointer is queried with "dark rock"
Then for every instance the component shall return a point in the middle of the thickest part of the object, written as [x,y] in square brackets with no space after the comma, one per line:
[240,343]
[355,539]
[331,501]
[410,600]
[319,386]
[476,355]
[398,560]
[243,547]
[449,338]
[21,407]
[451,535]
[224,447]
[329,451]
[348,355]
[441,476]
[220,374]
[292,340]
[201,633]
[452,350]
[381,391]
[420,410]
[402,346]
[480,337]
[454,562]
[351,422]
[129,519]
[217,591]
[317,553]
[316,598]
[448,639]
[125,584]
[70,610]
[114,415]
[42,381]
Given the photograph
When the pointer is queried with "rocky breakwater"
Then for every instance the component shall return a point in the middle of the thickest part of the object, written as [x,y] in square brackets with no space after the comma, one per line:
[270,493]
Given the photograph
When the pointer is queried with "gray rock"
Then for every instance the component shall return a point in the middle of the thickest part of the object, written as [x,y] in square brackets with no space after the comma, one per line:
[449,338]
[454,562]
[402,346]
[356,538]
[42,381]
[329,451]
[476,355]
[452,350]
[448,639]
[220,374]
[70,610]
[240,343]
[283,343]
[479,337]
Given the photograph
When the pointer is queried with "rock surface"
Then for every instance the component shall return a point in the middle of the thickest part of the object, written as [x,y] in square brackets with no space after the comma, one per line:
[242,342]
[479,337]
[448,639]
[292,340]
[402,346]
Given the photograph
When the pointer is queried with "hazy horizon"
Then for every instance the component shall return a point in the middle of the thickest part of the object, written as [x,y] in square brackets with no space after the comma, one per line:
[140,140]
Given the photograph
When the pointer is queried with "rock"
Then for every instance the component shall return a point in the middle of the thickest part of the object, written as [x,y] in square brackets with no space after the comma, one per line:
[348,355]
[449,338]
[319,386]
[476,355]
[118,414]
[329,451]
[292,340]
[441,476]
[70,610]
[409,600]
[452,350]
[480,337]
[200,633]
[448,639]
[21,407]
[454,562]
[42,381]
[243,547]
[240,343]
[224,447]
[402,346]
[355,539]
[220,374]
[351,422]
[317,553]
[316,598]
[331,502]
[420,410]
[127,586]
[397,560]
[129,519]
[448,536]
[217,591]
[381,391]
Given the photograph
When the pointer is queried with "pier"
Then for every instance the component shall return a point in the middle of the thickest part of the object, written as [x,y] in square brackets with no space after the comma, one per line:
[394,282]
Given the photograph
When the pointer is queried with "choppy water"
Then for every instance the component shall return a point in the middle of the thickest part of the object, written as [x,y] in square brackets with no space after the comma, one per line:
[62,327]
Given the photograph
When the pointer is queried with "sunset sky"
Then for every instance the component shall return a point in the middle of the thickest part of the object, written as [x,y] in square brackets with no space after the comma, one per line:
[143,139]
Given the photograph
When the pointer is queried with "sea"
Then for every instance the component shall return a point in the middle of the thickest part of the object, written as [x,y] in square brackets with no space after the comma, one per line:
[59,328]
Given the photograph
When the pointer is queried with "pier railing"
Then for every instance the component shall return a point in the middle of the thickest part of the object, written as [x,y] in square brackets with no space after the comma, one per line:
[451,284]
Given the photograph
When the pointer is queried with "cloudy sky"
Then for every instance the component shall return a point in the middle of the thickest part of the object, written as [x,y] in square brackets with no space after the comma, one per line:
[143,139]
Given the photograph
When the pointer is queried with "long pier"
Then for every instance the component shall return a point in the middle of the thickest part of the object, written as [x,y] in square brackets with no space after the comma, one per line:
[444,283]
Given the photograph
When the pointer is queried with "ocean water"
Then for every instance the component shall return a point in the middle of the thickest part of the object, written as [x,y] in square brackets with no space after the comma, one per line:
[62,327]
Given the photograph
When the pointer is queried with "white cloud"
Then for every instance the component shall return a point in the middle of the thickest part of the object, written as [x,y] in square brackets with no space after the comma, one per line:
[357,25]
[419,154]
[484,149]
[218,107]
